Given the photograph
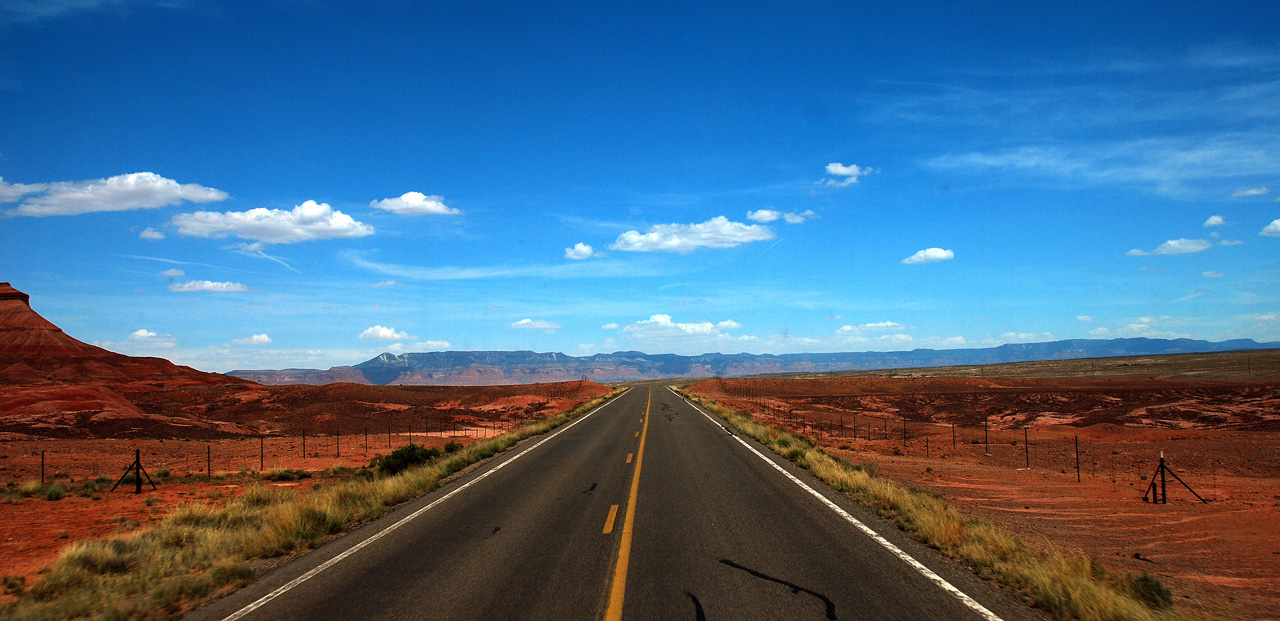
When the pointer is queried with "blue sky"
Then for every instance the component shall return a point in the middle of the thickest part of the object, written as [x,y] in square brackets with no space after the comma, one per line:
[292,183]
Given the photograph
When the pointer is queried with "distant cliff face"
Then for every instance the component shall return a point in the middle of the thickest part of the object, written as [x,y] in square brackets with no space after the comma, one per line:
[525,367]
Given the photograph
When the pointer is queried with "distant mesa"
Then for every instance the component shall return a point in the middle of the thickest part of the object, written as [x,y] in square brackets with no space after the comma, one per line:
[520,367]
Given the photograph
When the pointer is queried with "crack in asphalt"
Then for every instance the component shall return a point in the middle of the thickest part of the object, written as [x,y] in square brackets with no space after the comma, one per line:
[831,607]
[698,614]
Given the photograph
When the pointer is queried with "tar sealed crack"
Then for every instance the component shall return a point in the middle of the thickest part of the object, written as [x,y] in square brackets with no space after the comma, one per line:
[831,607]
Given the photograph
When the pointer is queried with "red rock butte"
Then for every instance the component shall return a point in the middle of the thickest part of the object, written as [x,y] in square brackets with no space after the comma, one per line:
[35,351]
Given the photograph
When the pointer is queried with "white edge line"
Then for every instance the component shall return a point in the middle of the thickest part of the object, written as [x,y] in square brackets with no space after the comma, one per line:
[262,601]
[907,558]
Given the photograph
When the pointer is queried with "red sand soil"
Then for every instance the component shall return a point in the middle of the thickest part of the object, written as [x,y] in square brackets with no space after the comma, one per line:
[1222,438]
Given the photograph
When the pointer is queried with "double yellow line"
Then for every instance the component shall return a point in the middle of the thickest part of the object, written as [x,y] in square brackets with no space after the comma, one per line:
[619,589]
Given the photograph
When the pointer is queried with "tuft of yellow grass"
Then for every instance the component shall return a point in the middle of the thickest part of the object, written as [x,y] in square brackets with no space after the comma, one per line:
[1068,585]
[199,552]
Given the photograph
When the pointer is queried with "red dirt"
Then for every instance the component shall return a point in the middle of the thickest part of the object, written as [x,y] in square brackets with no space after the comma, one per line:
[1222,438]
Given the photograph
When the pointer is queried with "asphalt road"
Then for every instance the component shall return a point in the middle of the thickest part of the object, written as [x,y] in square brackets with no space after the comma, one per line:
[644,509]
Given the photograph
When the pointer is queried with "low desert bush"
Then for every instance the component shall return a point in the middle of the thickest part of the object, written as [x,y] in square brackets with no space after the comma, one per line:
[404,457]
[285,474]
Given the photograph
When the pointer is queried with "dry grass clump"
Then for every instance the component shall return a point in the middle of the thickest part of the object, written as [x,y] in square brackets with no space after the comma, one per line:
[1067,585]
[200,551]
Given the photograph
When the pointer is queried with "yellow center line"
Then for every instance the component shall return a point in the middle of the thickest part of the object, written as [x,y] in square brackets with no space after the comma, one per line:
[619,589]
[608,522]
[637,434]
[629,456]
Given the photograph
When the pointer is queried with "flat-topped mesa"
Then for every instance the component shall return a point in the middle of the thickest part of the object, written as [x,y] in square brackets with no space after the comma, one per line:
[7,292]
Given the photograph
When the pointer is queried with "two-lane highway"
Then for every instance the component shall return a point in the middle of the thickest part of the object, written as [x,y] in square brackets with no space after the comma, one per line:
[645,508]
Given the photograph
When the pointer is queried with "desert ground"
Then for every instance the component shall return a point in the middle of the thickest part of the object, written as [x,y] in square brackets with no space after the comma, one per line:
[1222,437]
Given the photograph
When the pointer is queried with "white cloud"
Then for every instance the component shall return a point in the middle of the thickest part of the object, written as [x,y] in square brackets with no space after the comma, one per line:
[151,234]
[206,285]
[1143,327]
[717,232]
[660,331]
[1215,221]
[896,339]
[173,273]
[415,204]
[770,215]
[257,339]
[1230,242]
[880,326]
[1025,337]
[1173,246]
[929,255]
[387,283]
[1271,230]
[383,333]
[1084,318]
[1213,274]
[1181,167]
[400,348]
[764,215]
[664,323]
[141,190]
[536,324]
[306,222]
[797,218]
[11,192]
[146,339]
[1265,317]
[609,326]
[1250,192]
[581,251]
[851,173]
[954,341]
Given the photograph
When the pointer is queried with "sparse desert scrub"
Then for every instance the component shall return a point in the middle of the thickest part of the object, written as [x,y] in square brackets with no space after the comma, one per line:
[1067,585]
[201,551]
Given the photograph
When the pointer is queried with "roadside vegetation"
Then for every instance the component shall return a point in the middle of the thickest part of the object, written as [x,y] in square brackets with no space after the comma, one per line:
[200,551]
[1067,585]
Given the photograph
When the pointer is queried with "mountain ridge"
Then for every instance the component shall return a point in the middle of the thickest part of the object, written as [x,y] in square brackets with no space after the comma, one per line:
[524,366]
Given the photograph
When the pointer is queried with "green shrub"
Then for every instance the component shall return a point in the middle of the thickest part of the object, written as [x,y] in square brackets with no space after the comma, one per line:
[1149,590]
[15,585]
[402,458]
[285,474]
[452,447]
[54,492]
